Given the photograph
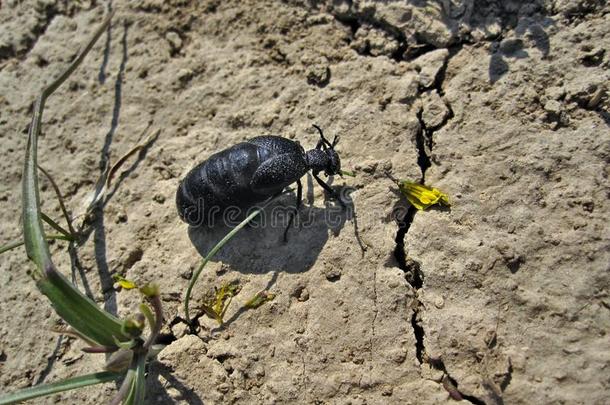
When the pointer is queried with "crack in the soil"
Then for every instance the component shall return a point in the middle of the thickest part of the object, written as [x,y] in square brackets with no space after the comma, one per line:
[415,277]
[412,269]
[451,385]
[423,142]
[375,309]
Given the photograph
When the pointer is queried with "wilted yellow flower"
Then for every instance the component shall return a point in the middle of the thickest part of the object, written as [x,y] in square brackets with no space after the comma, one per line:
[422,196]
[123,282]
[259,299]
[222,297]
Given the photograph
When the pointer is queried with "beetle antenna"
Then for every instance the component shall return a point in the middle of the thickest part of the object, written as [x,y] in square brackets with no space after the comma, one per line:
[324,140]
[335,141]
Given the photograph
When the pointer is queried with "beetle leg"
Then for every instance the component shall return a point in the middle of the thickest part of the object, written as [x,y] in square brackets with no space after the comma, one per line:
[329,190]
[293,213]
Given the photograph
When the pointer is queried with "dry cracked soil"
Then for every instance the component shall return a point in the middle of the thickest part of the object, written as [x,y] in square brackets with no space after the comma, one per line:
[503,297]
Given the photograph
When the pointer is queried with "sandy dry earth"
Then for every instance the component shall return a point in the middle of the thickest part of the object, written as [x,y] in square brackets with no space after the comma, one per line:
[503,298]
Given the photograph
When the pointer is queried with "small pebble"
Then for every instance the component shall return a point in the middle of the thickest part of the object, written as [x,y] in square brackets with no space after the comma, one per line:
[553,107]
[158,198]
[333,275]
[175,42]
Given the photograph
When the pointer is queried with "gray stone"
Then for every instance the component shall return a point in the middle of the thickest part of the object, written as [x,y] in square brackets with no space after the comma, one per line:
[175,42]
[434,111]
[374,41]
[553,107]
[405,88]
[429,65]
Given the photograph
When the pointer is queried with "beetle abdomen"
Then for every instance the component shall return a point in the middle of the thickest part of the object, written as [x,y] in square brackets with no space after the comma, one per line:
[220,182]
[228,173]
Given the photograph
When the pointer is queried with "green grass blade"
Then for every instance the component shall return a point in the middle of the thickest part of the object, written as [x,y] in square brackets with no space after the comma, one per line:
[16,243]
[137,393]
[61,386]
[56,226]
[11,245]
[77,310]
[211,254]
[80,312]
[35,242]
[62,206]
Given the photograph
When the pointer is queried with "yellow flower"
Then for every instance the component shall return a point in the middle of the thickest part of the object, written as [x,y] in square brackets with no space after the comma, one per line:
[123,282]
[422,196]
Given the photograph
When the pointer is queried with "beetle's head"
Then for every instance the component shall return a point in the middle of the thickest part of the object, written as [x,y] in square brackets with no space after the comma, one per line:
[332,164]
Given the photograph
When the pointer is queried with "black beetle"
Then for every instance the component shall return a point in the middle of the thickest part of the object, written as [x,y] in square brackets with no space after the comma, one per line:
[251,172]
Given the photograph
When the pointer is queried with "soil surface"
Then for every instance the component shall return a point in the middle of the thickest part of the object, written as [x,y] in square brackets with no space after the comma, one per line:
[501,298]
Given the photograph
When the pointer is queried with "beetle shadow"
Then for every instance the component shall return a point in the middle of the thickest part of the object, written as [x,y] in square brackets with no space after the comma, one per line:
[259,247]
